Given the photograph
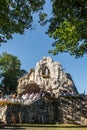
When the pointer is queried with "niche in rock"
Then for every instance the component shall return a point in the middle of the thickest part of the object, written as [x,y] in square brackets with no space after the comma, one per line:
[44,72]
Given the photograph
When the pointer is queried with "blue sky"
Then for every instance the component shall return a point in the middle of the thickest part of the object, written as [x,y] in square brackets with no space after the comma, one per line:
[34,44]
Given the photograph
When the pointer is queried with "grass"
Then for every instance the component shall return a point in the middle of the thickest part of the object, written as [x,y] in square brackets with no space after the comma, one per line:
[46,127]
[56,128]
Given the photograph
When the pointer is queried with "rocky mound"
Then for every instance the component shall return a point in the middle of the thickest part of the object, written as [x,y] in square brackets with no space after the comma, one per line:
[47,75]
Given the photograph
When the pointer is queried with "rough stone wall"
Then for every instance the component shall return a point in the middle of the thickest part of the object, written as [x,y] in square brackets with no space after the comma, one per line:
[40,111]
[65,106]
[3,113]
[50,76]
[57,79]
[71,110]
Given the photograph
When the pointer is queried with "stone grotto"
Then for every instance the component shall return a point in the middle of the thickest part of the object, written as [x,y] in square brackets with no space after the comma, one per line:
[49,97]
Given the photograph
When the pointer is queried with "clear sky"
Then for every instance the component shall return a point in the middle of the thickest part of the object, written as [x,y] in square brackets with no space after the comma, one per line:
[34,44]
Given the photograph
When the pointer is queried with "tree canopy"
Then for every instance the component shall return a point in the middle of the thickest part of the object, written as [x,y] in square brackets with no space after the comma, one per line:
[16,16]
[67,24]
[68,27]
[10,72]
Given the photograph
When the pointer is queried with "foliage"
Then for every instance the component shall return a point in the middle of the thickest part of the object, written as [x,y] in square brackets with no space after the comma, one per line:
[10,72]
[16,16]
[69,26]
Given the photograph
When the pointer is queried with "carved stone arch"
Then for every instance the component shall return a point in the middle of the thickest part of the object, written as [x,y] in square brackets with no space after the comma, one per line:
[44,72]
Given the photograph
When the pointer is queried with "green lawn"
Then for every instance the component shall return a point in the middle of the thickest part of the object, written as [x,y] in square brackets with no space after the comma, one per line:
[56,128]
[46,127]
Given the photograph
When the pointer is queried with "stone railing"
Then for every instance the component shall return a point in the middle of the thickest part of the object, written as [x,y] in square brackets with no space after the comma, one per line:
[13,100]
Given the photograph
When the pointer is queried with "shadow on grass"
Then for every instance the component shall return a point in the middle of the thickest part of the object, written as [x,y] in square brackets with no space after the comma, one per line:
[24,126]
[11,127]
[53,126]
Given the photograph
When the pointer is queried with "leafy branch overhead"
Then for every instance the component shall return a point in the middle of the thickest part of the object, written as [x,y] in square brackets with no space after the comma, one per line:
[68,27]
[67,23]
[16,16]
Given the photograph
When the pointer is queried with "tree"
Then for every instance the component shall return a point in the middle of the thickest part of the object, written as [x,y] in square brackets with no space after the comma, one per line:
[68,27]
[16,16]
[10,72]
